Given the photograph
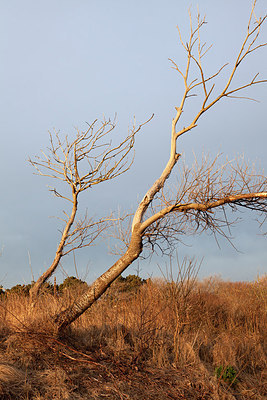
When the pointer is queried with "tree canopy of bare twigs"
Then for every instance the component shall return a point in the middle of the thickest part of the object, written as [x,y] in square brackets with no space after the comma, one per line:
[88,160]
[204,192]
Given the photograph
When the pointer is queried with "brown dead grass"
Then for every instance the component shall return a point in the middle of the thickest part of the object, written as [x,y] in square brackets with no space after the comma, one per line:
[155,343]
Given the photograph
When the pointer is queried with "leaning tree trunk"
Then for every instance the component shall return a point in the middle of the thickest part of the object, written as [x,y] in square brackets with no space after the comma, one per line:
[66,317]
[35,290]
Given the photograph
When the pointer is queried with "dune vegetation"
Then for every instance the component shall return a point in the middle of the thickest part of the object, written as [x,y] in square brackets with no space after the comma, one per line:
[144,339]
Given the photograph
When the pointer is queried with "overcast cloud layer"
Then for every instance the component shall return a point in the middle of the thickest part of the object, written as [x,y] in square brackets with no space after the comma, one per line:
[65,63]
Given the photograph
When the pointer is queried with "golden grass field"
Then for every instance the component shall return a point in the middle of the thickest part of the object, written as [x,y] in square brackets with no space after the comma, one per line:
[159,341]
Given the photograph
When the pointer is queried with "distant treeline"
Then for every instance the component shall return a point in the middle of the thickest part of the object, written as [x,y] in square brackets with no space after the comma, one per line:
[127,284]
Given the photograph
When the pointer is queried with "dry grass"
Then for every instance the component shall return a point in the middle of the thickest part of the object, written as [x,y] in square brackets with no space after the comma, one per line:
[159,342]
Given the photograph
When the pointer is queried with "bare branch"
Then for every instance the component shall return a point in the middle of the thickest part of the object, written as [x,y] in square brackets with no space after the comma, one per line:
[207,186]
[247,48]
[68,161]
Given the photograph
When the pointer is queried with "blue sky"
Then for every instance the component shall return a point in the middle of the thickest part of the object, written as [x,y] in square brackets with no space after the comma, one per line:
[65,63]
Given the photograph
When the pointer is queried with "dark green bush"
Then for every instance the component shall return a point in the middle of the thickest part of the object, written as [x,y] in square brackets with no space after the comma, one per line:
[130,283]
[71,282]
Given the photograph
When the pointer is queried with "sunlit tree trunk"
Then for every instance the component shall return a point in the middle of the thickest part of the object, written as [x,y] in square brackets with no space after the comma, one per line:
[69,315]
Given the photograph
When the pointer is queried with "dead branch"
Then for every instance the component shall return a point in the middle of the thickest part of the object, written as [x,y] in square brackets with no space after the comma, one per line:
[88,160]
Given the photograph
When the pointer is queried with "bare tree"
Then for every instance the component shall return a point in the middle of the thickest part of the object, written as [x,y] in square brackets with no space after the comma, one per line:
[205,190]
[88,160]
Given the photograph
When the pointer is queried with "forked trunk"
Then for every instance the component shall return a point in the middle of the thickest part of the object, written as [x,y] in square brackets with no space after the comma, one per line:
[102,283]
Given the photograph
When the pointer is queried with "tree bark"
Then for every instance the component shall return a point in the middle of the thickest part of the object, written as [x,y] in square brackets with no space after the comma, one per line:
[66,317]
[46,275]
